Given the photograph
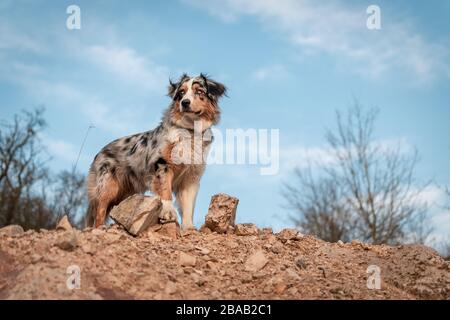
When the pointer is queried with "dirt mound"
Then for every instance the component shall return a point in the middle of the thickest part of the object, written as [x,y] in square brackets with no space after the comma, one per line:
[258,264]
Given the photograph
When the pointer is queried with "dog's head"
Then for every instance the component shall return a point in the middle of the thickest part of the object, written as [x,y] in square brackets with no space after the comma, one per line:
[195,99]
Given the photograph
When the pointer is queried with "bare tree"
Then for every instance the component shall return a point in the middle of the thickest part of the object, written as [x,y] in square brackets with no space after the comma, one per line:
[318,206]
[30,195]
[21,165]
[374,196]
[69,196]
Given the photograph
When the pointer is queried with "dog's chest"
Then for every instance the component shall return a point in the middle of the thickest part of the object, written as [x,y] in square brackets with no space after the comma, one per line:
[187,147]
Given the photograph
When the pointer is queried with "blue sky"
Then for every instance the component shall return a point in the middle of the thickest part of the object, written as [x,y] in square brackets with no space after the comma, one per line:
[288,65]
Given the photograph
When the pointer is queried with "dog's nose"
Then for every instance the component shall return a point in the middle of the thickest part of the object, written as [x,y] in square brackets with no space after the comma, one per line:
[185,104]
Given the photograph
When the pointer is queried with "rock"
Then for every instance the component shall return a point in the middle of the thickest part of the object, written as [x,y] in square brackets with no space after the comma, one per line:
[64,224]
[340,243]
[289,234]
[12,230]
[186,260]
[256,261]
[266,231]
[211,266]
[301,263]
[205,230]
[66,241]
[277,248]
[198,280]
[87,248]
[170,229]
[221,212]
[279,288]
[98,232]
[203,251]
[291,275]
[35,258]
[137,213]
[245,229]
[171,287]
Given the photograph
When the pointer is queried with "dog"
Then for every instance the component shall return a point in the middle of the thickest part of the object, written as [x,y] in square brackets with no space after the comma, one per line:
[164,160]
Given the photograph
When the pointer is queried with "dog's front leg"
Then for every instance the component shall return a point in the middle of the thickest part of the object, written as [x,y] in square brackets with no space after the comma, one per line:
[186,195]
[162,186]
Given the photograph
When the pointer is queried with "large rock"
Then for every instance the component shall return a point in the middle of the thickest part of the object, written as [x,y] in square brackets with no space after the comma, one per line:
[137,213]
[221,213]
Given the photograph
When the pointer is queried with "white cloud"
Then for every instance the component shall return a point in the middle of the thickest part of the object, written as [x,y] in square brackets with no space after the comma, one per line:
[12,39]
[338,30]
[271,72]
[63,150]
[129,66]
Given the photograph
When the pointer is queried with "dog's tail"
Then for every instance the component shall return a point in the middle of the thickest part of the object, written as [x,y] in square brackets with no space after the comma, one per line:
[89,218]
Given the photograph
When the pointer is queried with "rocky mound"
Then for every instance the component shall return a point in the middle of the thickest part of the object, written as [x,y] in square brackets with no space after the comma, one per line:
[243,263]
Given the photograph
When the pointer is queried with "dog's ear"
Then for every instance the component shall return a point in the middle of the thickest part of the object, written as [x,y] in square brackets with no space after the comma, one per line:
[173,86]
[214,89]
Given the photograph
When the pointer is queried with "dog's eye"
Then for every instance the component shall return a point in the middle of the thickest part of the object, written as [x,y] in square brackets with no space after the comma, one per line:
[181,92]
[200,92]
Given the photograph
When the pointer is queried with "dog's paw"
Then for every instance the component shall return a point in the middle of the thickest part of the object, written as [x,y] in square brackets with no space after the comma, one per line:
[168,212]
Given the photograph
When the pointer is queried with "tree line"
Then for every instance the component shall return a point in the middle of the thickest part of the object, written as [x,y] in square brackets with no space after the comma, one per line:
[31,194]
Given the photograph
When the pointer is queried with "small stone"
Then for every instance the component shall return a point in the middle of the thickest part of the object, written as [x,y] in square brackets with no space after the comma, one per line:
[171,230]
[292,274]
[245,229]
[301,263]
[256,261]
[66,241]
[205,230]
[292,291]
[289,234]
[12,231]
[113,238]
[258,275]
[198,280]
[279,288]
[87,248]
[266,231]
[340,243]
[188,270]
[277,248]
[170,288]
[211,266]
[98,232]
[186,260]
[267,289]
[64,224]
[247,278]
[35,258]
[203,251]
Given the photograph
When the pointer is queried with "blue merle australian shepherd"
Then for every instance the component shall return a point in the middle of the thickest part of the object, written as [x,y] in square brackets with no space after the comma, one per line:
[150,161]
